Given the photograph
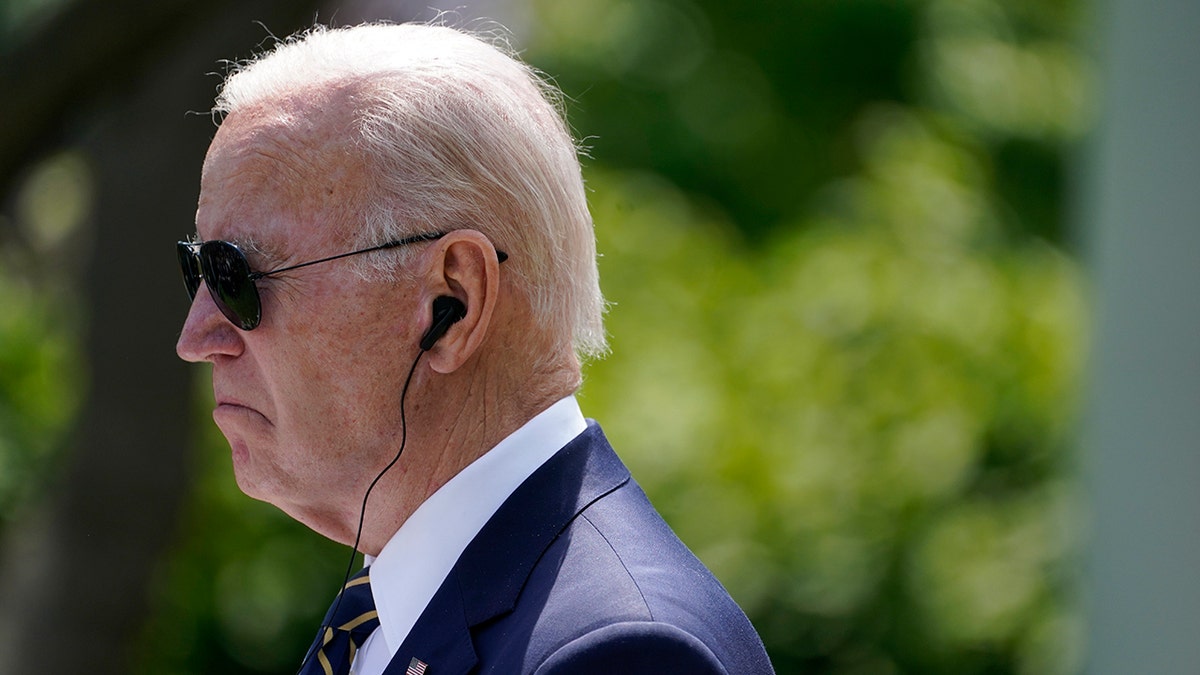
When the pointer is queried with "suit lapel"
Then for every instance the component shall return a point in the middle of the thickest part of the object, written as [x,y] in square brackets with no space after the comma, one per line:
[441,638]
[488,577]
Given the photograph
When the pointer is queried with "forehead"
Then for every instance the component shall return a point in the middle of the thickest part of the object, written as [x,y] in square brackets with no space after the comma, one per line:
[280,176]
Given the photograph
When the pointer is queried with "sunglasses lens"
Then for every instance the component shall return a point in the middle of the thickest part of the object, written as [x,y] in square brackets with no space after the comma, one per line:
[228,276]
[189,263]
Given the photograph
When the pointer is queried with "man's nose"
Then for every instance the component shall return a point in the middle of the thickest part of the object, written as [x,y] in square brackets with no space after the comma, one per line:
[206,332]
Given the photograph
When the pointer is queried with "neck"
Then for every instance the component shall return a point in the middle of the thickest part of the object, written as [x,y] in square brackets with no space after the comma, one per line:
[452,421]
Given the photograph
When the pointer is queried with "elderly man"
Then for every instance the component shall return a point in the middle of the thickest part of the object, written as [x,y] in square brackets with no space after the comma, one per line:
[394,280]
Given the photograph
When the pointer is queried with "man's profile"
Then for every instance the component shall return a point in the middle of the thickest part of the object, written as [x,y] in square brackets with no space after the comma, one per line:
[394,280]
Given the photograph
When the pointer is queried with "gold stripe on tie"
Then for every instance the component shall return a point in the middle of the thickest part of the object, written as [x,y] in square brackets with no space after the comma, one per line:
[322,657]
[364,579]
[360,620]
[324,660]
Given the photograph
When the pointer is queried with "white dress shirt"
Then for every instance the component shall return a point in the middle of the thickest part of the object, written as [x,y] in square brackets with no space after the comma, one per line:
[415,561]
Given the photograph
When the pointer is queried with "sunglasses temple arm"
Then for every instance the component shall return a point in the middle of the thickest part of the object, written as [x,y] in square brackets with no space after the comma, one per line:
[391,244]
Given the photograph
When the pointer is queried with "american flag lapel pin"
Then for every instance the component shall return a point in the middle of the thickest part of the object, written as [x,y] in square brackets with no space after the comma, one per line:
[416,667]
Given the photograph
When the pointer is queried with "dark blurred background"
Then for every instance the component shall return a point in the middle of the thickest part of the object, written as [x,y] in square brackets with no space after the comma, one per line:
[853,254]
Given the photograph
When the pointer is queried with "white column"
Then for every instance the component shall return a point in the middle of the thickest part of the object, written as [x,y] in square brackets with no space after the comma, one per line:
[1142,435]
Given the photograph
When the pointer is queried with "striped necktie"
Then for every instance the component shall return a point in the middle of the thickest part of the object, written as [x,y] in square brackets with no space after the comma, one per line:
[347,624]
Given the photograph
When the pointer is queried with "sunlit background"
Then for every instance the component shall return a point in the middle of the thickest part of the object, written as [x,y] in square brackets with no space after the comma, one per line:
[850,321]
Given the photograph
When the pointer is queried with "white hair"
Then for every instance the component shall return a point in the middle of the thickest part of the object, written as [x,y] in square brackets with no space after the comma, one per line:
[456,133]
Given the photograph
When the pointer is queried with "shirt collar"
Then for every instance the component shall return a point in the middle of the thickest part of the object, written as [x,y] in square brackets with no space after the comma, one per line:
[415,561]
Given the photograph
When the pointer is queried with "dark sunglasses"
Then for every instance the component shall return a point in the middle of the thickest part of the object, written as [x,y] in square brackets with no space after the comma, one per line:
[224,269]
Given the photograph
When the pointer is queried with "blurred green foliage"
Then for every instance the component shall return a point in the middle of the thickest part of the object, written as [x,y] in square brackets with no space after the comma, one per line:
[41,377]
[847,335]
[847,339]
[39,387]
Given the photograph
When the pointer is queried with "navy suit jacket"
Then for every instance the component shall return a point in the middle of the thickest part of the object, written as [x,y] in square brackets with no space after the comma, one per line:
[577,573]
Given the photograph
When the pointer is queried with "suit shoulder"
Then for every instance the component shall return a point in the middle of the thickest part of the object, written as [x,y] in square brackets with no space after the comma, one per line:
[668,576]
[621,574]
[633,647]
[611,582]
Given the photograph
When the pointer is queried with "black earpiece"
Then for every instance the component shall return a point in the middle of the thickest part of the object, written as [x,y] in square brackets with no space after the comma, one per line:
[446,311]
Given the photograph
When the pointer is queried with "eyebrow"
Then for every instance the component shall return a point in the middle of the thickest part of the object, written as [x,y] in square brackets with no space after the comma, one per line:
[266,256]
[249,246]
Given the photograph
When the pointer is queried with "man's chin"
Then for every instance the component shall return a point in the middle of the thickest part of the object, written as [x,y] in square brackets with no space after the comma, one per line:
[248,479]
[237,427]
[254,489]
[240,454]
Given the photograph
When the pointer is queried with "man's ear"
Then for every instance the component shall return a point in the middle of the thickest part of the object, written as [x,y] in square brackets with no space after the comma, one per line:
[465,284]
